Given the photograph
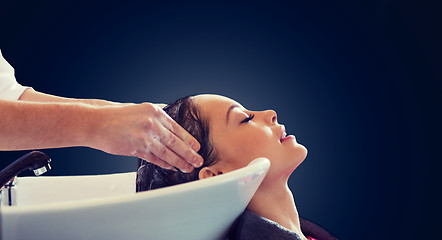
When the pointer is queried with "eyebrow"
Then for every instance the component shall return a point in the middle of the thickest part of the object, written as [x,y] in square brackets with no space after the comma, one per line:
[235,105]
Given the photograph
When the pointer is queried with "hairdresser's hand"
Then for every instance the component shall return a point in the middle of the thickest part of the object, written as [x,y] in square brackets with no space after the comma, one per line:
[146,131]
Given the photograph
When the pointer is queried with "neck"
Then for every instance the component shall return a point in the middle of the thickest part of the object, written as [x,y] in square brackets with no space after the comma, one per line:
[277,204]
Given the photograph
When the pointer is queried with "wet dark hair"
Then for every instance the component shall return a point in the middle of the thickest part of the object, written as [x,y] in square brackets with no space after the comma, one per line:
[187,115]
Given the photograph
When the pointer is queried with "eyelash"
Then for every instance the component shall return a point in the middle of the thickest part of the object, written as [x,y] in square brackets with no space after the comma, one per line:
[248,118]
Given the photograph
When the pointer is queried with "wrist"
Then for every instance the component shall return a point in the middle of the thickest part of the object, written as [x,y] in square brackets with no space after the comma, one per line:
[88,126]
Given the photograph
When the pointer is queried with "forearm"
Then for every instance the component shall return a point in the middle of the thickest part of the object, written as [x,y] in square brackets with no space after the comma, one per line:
[31,95]
[142,130]
[30,125]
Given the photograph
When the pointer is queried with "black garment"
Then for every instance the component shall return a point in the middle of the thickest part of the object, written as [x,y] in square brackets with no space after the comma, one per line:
[251,226]
[312,230]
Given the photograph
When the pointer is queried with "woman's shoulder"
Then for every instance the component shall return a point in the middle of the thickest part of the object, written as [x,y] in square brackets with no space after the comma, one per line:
[250,225]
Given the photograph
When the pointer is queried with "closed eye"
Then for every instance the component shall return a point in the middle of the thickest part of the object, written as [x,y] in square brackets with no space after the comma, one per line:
[248,118]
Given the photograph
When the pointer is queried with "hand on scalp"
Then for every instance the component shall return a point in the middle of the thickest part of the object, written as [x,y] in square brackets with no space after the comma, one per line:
[146,131]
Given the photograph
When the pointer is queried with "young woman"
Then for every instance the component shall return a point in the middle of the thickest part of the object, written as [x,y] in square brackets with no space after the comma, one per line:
[230,137]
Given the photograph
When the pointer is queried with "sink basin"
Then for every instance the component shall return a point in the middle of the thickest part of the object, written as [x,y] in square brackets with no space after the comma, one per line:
[107,207]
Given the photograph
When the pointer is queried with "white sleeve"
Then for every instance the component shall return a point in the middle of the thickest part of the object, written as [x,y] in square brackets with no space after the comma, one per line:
[9,88]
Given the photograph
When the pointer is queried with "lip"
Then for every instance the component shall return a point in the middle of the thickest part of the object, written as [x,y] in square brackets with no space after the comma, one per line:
[288,138]
[283,133]
[284,136]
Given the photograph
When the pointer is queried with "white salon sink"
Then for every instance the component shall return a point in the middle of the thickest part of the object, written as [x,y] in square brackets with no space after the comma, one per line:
[107,207]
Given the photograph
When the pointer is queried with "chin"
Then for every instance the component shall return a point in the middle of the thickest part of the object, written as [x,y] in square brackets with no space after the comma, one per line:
[299,152]
[303,151]
[298,156]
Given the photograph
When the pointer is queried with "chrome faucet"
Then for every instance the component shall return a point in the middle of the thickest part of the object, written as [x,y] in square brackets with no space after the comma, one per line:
[36,161]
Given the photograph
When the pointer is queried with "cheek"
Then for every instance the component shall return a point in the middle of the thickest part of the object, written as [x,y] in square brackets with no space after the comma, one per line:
[254,145]
[248,147]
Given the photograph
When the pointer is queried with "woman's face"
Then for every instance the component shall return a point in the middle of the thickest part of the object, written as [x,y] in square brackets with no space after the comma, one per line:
[239,135]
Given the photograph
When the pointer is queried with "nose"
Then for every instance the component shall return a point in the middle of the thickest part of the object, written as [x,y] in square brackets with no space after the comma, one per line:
[271,117]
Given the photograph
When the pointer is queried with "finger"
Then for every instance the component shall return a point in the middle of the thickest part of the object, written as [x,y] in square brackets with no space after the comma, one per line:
[181,149]
[165,154]
[180,132]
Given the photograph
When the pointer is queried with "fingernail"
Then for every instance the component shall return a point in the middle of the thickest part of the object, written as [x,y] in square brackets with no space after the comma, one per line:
[197,162]
[194,146]
[187,169]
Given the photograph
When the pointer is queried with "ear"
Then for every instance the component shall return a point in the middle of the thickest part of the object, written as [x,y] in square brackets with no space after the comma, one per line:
[207,172]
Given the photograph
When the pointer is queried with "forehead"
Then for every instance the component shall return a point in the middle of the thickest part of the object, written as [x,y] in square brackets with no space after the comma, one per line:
[213,107]
[210,103]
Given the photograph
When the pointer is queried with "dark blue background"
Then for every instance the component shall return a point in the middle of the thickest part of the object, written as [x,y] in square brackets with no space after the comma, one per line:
[357,83]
